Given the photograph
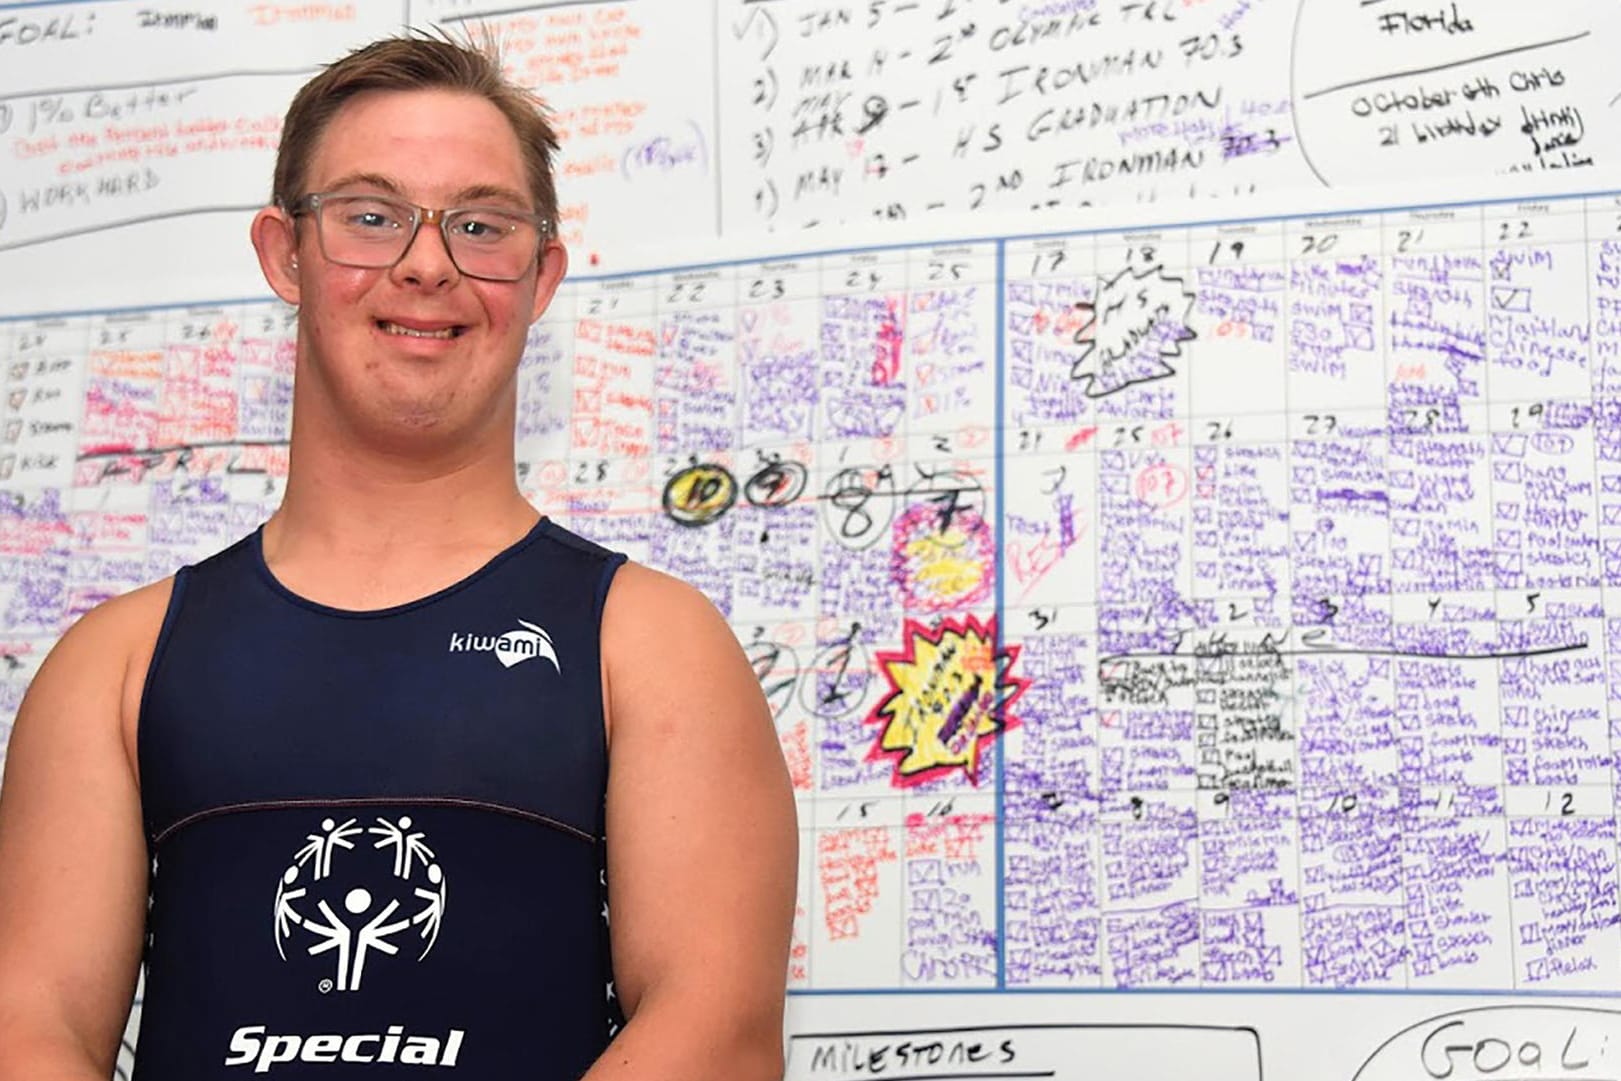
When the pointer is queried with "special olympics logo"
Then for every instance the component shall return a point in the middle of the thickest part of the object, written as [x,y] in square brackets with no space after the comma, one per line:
[377,896]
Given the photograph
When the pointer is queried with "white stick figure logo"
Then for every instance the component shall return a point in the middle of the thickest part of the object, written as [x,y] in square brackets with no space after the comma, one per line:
[406,845]
[352,923]
[321,845]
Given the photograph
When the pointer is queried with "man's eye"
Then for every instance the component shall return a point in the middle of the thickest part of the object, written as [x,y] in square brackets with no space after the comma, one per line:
[371,219]
[368,215]
[486,227]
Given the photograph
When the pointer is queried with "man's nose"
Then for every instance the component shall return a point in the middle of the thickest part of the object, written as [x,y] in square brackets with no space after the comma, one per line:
[427,261]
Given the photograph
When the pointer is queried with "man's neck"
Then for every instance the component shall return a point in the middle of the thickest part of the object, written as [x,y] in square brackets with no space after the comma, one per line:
[366,531]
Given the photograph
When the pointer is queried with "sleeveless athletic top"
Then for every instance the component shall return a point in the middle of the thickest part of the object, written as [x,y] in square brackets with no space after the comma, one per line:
[377,837]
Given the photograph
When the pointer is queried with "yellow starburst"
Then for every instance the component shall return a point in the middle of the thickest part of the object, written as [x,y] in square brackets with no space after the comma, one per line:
[950,690]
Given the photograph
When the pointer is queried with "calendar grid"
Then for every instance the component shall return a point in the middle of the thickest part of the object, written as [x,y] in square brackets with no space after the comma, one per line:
[1096,848]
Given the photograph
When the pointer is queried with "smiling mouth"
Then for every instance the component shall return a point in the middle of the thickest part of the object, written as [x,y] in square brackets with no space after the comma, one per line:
[408,332]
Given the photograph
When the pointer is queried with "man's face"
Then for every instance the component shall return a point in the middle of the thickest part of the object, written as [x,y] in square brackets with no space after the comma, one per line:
[417,350]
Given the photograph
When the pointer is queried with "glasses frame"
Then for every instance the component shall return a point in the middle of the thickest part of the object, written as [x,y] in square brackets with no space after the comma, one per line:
[439,216]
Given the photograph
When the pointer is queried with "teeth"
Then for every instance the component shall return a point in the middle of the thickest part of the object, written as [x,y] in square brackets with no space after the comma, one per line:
[395,328]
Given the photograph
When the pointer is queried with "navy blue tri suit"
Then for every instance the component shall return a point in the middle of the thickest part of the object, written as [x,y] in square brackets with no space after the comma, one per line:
[377,837]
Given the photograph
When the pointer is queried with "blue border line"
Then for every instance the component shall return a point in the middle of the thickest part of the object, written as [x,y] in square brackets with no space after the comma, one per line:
[45,4]
[136,309]
[1001,608]
[1607,995]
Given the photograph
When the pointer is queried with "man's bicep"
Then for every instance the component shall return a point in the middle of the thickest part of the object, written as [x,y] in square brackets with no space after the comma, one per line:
[72,860]
[702,838]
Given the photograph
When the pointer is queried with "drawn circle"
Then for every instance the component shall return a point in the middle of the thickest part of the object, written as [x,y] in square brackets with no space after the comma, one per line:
[325,987]
[954,489]
[1474,1038]
[435,875]
[1161,485]
[1378,94]
[944,552]
[839,677]
[405,822]
[776,484]
[942,562]
[291,875]
[858,504]
[700,494]
[776,666]
[357,900]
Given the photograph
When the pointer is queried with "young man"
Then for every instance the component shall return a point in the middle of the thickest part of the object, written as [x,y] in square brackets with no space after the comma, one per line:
[380,768]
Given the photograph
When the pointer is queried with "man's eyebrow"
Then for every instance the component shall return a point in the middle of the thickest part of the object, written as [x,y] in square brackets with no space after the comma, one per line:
[475,193]
[375,180]
[486,192]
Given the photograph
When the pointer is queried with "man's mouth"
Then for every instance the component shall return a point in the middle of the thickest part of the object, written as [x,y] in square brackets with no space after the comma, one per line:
[388,327]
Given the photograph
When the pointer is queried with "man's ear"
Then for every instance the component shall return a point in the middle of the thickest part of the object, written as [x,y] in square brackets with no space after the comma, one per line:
[553,265]
[275,241]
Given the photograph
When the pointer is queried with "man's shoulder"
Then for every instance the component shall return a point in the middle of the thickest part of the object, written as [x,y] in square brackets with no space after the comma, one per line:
[641,595]
[131,617]
[672,663]
[655,626]
[94,674]
[115,640]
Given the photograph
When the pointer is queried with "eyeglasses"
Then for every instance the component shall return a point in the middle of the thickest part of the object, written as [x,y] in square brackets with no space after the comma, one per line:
[375,231]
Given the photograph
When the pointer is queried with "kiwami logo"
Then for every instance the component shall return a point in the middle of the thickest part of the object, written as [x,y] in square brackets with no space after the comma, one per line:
[250,1044]
[310,894]
[509,648]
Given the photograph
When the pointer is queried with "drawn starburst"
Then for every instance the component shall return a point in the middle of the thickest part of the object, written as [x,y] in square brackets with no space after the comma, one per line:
[950,689]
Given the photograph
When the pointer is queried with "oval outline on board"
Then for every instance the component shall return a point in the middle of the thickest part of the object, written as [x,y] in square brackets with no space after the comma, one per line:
[1373,1068]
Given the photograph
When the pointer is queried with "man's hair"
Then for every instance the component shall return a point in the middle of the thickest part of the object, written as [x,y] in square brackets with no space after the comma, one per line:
[416,63]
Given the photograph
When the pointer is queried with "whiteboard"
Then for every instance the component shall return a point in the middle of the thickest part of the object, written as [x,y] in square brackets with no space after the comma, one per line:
[1260,546]
[1283,542]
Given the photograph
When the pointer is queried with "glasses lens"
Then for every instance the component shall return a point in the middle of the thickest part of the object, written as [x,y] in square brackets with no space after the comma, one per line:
[490,243]
[364,230]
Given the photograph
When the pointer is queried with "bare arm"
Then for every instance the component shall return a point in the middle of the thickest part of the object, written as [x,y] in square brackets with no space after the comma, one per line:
[702,843]
[72,858]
